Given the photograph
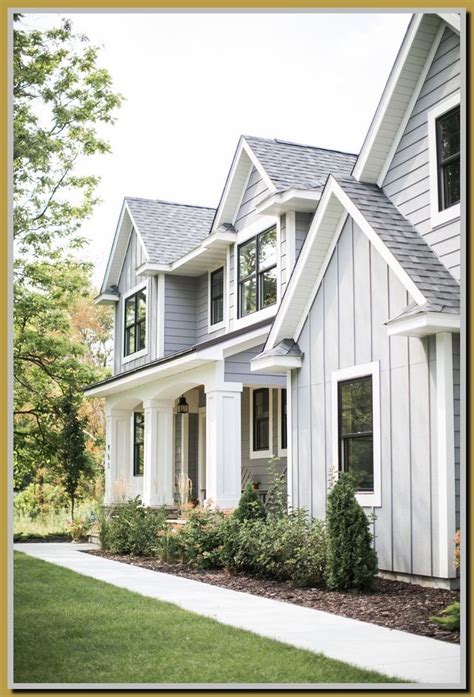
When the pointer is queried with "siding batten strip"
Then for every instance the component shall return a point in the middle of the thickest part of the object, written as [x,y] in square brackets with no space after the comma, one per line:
[446,466]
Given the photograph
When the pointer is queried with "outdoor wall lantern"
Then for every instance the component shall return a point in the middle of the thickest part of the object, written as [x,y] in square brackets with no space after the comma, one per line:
[183,406]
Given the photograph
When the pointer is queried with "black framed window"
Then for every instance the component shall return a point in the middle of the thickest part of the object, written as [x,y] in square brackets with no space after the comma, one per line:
[283,421]
[261,419]
[138,443]
[356,446]
[257,273]
[448,158]
[217,295]
[135,323]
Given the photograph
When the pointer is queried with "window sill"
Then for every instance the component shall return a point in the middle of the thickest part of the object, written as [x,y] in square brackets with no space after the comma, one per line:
[439,218]
[257,316]
[216,327]
[133,356]
[261,454]
[372,500]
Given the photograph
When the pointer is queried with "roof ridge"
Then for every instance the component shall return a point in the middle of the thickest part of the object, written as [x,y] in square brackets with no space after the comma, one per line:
[167,203]
[300,145]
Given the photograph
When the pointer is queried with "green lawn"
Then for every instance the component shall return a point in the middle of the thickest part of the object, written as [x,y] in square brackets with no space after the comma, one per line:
[70,628]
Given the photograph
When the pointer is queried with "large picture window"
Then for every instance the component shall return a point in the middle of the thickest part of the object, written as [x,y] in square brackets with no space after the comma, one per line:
[261,419]
[135,323]
[217,296]
[355,412]
[257,273]
[448,158]
[138,443]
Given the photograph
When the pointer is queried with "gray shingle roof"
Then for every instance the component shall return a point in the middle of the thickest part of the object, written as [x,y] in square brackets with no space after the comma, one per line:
[300,166]
[420,262]
[286,347]
[169,230]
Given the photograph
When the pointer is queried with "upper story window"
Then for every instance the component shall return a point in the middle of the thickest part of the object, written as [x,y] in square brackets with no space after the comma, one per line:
[448,153]
[444,140]
[257,273]
[356,431]
[217,296]
[135,323]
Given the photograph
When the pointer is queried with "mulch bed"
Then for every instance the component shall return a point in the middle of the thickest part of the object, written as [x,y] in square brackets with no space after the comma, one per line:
[392,604]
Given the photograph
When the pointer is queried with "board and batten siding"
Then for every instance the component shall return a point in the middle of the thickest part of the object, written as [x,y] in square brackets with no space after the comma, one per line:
[128,280]
[254,193]
[258,467]
[407,182]
[457,422]
[346,327]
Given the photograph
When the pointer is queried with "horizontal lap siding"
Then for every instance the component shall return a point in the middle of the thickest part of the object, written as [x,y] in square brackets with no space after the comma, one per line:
[180,313]
[259,467]
[346,326]
[283,254]
[302,225]
[407,182]
[255,192]
[128,280]
[237,369]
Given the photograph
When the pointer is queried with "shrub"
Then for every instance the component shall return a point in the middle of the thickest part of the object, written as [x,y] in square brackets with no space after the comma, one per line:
[307,563]
[79,529]
[457,550]
[168,547]
[277,497]
[132,529]
[250,505]
[351,559]
[449,618]
[200,540]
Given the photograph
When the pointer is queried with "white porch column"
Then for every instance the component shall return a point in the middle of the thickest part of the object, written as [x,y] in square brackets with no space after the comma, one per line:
[223,445]
[158,460]
[446,461]
[117,452]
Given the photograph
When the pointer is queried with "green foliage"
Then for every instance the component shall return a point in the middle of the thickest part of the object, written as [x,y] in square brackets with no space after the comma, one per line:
[250,505]
[449,618]
[79,529]
[133,529]
[200,540]
[277,498]
[61,98]
[351,559]
[39,499]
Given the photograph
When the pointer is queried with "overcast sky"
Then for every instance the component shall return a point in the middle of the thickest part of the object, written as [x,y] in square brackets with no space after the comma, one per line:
[194,82]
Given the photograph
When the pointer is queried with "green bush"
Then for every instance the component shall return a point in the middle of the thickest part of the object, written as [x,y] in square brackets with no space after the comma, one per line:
[277,497]
[133,529]
[250,505]
[306,565]
[449,618]
[200,540]
[351,558]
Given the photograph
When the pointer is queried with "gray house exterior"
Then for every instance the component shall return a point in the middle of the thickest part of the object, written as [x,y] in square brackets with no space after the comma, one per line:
[313,317]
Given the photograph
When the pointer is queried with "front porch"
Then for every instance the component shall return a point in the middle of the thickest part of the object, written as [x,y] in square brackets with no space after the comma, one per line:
[150,441]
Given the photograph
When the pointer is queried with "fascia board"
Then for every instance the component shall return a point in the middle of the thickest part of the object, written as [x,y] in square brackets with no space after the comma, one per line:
[105,282]
[287,198]
[106,299]
[228,185]
[135,227]
[386,96]
[151,269]
[424,324]
[258,166]
[453,19]
[275,364]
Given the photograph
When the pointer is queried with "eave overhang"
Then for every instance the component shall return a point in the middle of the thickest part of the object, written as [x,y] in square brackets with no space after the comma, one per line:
[274,364]
[106,299]
[424,324]
[299,200]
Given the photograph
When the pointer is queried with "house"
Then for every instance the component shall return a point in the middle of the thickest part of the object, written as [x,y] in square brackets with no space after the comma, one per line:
[314,316]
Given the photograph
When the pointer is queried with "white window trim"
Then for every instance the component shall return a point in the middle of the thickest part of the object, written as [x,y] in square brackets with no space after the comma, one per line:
[261,454]
[142,286]
[218,325]
[282,452]
[266,312]
[439,217]
[357,371]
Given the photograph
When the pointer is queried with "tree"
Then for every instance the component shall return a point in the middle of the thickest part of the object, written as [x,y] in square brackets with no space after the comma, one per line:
[351,558]
[75,462]
[61,98]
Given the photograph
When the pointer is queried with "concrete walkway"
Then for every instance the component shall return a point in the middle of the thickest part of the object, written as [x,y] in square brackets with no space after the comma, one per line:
[407,656]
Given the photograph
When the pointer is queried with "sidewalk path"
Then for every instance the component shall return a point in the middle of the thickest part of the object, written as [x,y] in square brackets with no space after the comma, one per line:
[408,656]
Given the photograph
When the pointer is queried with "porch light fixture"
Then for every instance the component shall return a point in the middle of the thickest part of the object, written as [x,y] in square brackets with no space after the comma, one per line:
[183,406]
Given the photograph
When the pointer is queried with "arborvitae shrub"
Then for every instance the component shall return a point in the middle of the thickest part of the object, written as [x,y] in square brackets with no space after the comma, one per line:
[351,558]
[250,505]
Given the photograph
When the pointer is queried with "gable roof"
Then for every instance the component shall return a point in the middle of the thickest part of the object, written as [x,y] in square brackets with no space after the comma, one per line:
[292,165]
[400,244]
[169,230]
[400,93]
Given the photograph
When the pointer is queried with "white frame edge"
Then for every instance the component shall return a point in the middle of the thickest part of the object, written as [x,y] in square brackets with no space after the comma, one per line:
[261,454]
